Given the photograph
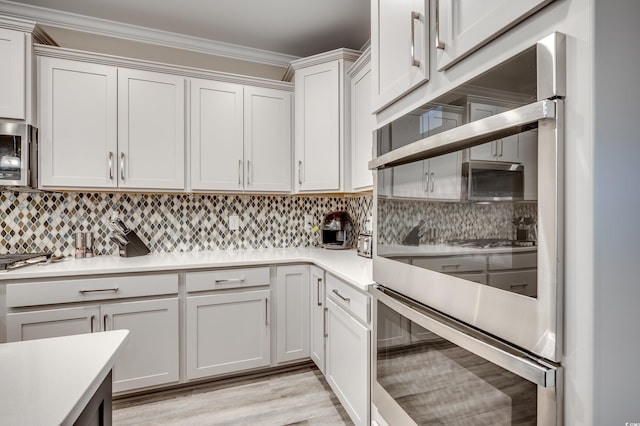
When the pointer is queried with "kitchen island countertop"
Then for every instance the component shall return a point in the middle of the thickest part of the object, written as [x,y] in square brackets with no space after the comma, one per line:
[344,264]
[50,381]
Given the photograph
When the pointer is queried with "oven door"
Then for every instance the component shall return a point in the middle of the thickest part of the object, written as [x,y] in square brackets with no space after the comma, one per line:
[510,283]
[429,369]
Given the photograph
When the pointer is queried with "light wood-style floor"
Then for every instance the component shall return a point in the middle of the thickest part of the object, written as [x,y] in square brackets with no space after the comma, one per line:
[298,397]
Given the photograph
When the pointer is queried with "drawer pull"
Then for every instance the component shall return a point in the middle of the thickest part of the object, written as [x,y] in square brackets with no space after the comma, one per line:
[230,280]
[99,290]
[337,293]
[518,285]
[452,266]
[93,318]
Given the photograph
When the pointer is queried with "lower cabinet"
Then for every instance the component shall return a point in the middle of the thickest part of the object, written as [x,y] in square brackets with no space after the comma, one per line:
[227,332]
[151,355]
[292,313]
[347,361]
[316,309]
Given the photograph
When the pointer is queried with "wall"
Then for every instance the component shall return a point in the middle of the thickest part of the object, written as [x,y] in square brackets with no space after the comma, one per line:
[46,221]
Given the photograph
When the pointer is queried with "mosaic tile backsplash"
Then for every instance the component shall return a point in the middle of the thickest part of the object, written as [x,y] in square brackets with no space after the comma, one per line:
[34,221]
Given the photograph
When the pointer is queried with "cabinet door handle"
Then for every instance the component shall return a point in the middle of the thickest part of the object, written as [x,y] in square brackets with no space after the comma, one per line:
[501,148]
[99,290]
[300,172]
[266,312]
[122,165]
[104,322]
[230,280]
[92,320]
[337,293]
[319,282]
[425,182]
[439,42]
[518,285]
[248,172]
[324,322]
[451,266]
[110,165]
[239,172]
[432,181]
[414,16]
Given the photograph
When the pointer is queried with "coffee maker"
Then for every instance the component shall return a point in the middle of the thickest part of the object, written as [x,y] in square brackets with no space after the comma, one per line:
[337,231]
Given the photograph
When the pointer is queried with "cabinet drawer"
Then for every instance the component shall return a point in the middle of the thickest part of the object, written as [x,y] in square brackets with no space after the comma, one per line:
[227,278]
[523,282]
[513,261]
[452,264]
[349,298]
[88,289]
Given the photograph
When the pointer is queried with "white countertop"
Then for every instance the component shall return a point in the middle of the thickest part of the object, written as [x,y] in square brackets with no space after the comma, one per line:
[50,381]
[344,264]
[399,250]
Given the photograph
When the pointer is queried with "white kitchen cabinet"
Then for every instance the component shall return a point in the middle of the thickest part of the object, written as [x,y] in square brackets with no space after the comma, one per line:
[150,130]
[347,361]
[267,139]
[151,356]
[227,332]
[464,26]
[322,131]
[109,127]
[399,48]
[362,123]
[12,74]
[240,137]
[292,313]
[505,149]
[317,331]
[78,124]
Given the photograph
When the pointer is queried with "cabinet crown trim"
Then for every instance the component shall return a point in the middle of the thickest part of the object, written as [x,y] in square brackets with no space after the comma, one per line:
[139,64]
[345,54]
[16,24]
[363,62]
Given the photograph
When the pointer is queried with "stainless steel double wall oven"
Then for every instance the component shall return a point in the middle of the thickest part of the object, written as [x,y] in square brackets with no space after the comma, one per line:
[468,313]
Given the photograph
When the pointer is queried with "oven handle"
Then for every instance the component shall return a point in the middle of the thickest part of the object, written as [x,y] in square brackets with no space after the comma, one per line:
[536,371]
[471,134]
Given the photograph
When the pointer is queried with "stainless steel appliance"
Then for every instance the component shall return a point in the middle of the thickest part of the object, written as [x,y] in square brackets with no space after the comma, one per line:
[18,154]
[458,282]
[492,181]
[364,246]
[337,231]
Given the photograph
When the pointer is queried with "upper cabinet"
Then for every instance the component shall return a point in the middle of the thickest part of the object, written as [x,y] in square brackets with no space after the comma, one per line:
[108,127]
[240,137]
[461,27]
[322,129]
[12,74]
[399,48]
[16,83]
[362,123]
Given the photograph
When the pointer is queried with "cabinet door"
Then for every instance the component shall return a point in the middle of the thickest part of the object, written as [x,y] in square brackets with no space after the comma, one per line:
[78,124]
[150,130]
[267,139]
[292,292]
[362,126]
[317,129]
[216,135]
[347,362]
[12,74]
[465,26]
[505,149]
[399,48]
[317,317]
[227,332]
[444,177]
[409,180]
[151,355]
[52,323]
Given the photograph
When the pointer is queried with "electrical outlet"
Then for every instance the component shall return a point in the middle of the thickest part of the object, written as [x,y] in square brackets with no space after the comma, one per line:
[308,222]
[234,222]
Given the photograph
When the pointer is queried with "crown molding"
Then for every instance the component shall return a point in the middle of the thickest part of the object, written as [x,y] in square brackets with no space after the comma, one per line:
[103,27]
[363,62]
[349,55]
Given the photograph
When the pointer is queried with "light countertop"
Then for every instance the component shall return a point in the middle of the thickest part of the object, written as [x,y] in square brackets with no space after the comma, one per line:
[424,250]
[344,264]
[50,381]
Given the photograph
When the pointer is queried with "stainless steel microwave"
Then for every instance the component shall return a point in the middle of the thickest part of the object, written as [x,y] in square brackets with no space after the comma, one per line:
[18,155]
[492,181]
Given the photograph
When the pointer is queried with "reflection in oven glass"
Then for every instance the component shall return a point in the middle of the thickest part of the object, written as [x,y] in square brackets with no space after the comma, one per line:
[439,383]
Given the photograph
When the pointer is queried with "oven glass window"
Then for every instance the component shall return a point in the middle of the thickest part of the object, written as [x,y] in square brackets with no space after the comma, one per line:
[471,213]
[10,157]
[438,383]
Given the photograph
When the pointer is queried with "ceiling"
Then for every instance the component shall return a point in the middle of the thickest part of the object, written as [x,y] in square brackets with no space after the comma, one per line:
[292,27]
